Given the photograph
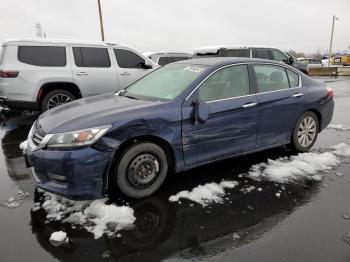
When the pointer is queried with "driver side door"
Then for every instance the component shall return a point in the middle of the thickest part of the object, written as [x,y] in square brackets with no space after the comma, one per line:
[232,124]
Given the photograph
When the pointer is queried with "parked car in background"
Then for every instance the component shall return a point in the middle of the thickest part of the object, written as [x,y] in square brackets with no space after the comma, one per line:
[41,74]
[343,60]
[167,58]
[183,115]
[312,62]
[253,52]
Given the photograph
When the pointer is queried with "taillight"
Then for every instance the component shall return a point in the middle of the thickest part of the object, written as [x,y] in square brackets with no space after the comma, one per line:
[330,92]
[8,74]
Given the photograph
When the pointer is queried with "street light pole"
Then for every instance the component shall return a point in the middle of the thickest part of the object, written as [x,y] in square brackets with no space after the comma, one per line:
[330,46]
[101,20]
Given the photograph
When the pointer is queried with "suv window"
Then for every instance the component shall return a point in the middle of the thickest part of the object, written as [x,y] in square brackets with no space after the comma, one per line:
[278,55]
[293,78]
[42,55]
[128,59]
[235,53]
[91,57]
[229,82]
[271,78]
[261,53]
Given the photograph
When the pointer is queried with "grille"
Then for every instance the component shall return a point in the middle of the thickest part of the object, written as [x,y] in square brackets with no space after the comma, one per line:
[38,135]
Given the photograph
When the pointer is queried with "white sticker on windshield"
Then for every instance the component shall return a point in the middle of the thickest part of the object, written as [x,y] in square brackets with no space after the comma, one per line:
[195,69]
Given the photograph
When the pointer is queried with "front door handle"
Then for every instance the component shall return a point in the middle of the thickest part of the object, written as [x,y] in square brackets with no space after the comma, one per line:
[249,105]
[298,95]
[81,73]
[125,74]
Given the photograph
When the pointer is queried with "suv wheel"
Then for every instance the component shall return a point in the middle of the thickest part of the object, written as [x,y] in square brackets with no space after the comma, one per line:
[141,170]
[55,98]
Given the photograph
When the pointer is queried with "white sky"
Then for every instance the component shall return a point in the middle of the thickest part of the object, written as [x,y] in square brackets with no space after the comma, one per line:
[164,25]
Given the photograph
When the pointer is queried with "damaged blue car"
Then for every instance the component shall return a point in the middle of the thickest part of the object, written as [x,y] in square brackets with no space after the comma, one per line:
[183,115]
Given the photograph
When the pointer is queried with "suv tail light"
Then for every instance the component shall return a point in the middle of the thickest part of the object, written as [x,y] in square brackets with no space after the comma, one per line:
[8,74]
[330,92]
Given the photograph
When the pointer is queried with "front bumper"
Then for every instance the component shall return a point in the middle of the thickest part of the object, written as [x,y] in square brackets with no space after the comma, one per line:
[76,173]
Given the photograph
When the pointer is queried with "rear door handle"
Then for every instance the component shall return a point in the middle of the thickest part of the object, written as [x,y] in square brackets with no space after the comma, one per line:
[81,73]
[298,95]
[249,105]
[125,74]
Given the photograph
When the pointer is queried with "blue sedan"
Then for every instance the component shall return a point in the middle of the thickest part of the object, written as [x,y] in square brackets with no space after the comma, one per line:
[183,115]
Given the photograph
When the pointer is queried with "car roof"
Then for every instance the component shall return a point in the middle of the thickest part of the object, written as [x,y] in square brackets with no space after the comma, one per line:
[63,42]
[221,61]
[214,49]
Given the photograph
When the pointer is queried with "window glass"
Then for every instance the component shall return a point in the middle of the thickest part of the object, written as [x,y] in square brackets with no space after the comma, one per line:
[271,78]
[278,55]
[165,83]
[2,53]
[42,55]
[91,57]
[164,60]
[229,82]
[261,53]
[235,53]
[128,59]
[293,78]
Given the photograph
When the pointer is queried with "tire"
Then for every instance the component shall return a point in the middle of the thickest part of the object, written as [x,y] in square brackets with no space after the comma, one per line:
[141,170]
[49,98]
[305,132]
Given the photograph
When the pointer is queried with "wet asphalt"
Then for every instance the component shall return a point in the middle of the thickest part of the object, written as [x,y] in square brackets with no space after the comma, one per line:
[305,224]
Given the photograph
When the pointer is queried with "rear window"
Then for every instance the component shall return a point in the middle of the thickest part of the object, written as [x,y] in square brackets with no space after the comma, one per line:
[167,60]
[2,53]
[42,55]
[235,53]
[91,57]
[261,53]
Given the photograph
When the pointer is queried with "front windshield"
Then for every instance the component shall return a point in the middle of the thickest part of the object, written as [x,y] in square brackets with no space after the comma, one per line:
[165,83]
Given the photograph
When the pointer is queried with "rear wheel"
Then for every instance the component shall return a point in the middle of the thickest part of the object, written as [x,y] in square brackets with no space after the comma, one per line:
[141,170]
[305,132]
[55,98]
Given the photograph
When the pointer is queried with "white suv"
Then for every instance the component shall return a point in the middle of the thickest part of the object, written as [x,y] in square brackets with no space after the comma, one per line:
[41,74]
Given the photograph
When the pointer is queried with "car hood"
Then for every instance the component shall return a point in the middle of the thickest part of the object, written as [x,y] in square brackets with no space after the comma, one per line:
[92,112]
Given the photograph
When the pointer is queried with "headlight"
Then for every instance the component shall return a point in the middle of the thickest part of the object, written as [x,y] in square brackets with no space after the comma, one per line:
[76,138]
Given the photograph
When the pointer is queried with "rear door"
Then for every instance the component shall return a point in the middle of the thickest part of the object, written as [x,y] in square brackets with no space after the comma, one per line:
[130,66]
[280,103]
[232,124]
[93,71]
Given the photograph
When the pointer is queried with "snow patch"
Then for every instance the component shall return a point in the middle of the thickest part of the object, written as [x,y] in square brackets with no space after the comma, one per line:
[58,236]
[205,194]
[342,150]
[95,216]
[16,201]
[339,127]
[302,166]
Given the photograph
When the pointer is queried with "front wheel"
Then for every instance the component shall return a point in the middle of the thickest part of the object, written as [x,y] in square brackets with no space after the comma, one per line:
[141,170]
[305,132]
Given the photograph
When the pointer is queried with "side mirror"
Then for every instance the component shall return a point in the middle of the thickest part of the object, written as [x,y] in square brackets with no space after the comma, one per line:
[201,111]
[147,65]
[289,61]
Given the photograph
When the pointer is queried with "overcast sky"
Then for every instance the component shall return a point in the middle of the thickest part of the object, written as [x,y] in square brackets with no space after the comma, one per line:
[173,25]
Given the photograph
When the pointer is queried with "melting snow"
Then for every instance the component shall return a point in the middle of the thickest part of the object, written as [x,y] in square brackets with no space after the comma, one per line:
[16,201]
[339,127]
[342,150]
[59,236]
[306,165]
[96,216]
[205,194]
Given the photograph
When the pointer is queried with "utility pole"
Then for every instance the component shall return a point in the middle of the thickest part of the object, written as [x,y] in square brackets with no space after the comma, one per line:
[101,20]
[330,46]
